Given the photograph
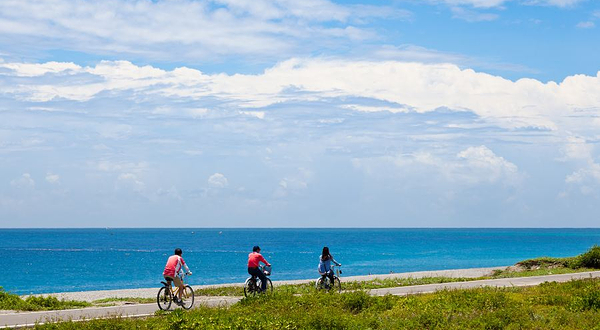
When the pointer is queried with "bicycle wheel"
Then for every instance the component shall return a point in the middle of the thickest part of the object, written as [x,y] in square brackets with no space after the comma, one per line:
[164,298]
[337,285]
[187,297]
[250,287]
[320,284]
[269,288]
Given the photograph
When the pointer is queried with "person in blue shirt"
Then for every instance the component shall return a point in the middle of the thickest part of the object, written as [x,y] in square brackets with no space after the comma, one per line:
[325,261]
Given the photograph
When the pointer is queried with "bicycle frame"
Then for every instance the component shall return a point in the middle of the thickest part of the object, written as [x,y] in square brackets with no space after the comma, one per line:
[174,290]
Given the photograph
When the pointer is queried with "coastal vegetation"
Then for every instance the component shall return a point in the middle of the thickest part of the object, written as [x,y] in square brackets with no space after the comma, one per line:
[10,301]
[589,259]
[571,305]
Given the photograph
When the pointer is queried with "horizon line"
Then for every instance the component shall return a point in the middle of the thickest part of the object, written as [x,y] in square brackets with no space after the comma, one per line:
[221,228]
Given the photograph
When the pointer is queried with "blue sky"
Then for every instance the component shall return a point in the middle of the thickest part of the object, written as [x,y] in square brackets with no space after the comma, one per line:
[440,113]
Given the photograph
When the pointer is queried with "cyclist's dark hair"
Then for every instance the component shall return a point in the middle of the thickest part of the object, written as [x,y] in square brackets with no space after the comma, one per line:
[178,251]
[256,248]
[325,255]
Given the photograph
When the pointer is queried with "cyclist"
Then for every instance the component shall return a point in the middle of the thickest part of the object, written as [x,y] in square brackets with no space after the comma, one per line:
[325,261]
[254,260]
[173,270]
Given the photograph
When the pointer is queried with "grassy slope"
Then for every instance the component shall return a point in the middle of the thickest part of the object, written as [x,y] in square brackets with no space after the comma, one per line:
[572,305]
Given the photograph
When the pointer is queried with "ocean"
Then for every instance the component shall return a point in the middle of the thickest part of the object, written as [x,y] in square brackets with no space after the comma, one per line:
[60,260]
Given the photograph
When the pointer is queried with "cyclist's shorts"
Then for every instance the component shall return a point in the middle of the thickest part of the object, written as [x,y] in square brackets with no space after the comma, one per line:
[176,280]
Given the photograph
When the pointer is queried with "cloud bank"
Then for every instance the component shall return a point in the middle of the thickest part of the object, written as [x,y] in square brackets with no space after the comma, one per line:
[411,86]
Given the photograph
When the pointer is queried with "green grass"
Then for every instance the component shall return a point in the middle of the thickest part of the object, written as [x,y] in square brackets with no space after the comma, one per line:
[571,305]
[118,301]
[10,301]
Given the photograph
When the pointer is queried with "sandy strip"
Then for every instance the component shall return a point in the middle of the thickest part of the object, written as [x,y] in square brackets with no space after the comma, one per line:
[151,292]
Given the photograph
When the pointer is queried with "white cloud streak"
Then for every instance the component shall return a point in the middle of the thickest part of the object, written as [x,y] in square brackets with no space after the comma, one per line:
[185,29]
[472,16]
[499,3]
[586,25]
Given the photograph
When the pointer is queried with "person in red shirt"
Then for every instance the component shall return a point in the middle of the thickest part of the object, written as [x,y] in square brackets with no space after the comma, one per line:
[172,270]
[254,260]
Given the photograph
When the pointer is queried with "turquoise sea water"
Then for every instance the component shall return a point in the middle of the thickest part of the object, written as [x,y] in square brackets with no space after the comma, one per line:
[56,260]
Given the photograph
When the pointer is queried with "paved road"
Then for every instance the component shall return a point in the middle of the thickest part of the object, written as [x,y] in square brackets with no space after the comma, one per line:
[24,319]
[503,282]
[27,319]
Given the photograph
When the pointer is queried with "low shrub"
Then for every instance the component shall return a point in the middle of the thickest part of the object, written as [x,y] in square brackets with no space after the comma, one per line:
[11,301]
[590,259]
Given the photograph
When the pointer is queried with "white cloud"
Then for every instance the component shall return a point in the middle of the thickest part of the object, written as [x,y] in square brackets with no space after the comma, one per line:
[586,25]
[130,181]
[257,114]
[188,29]
[420,87]
[294,184]
[52,178]
[476,3]
[586,179]
[218,180]
[588,173]
[115,166]
[290,186]
[472,166]
[585,174]
[481,164]
[576,148]
[558,3]
[472,16]
[34,69]
[499,3]
[366,108]
[24,181]
[413,53]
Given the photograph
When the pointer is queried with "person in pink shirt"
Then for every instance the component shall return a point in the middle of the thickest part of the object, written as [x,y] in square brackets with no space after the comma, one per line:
[254,260]
[172,272]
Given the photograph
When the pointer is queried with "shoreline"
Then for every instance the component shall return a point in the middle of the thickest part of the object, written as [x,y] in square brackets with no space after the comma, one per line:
[91,296]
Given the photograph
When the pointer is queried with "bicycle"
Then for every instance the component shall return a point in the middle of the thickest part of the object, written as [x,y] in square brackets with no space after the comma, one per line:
[324,283]
[167,294]
[253,284]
